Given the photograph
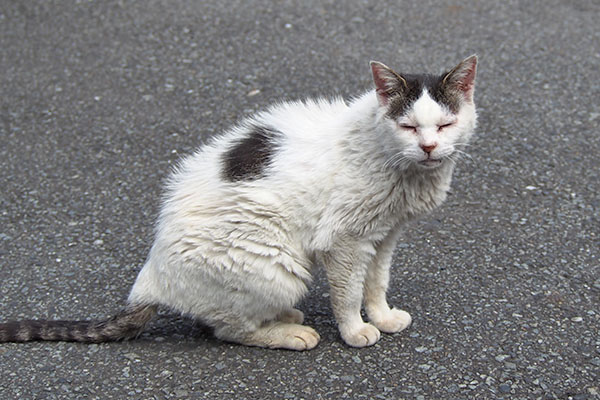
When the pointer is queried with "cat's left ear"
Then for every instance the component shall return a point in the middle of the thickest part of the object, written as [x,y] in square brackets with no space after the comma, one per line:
[462,77]
[387,82]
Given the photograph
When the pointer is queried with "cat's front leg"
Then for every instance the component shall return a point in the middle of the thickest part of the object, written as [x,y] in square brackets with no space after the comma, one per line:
[385,318]
[346,267]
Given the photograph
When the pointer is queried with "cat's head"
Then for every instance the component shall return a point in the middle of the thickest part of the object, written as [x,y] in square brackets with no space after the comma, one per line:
[431,117]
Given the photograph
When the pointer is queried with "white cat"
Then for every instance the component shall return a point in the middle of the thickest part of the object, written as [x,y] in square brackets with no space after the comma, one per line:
[248,216]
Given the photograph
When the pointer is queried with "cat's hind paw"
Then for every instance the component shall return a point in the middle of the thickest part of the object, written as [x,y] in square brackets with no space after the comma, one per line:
[362,335]
[392,321]
[279,335]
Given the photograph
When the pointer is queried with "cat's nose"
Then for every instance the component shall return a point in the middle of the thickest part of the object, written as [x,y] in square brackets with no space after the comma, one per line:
[428,148]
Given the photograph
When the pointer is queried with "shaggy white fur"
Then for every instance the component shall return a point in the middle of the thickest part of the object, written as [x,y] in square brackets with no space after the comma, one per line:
[337,185]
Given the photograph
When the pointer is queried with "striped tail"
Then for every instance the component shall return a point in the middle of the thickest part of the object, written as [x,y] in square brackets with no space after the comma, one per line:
[128,324]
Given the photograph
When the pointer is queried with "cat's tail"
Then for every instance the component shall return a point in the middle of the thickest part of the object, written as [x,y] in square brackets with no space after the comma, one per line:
[128,324]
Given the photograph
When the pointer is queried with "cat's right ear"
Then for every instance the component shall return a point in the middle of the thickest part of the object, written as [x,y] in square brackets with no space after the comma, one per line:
[387,82]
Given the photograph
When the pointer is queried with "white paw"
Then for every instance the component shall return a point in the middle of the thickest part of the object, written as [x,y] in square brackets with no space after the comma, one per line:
[298,337]
[361,335]
[392,321]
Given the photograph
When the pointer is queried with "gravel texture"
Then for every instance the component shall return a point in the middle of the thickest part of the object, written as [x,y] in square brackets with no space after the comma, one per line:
[99,99]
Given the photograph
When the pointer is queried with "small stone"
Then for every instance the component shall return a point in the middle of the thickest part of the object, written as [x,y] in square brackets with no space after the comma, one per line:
[453,388]
[504,388]
[253,92]
[502,357]
[131,356]
[577,319]
[220,365]
[510,365]
[166,374]
[421,349]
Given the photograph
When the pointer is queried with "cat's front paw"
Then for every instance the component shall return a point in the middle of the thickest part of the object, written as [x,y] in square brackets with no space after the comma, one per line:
[392,321]
[362,335]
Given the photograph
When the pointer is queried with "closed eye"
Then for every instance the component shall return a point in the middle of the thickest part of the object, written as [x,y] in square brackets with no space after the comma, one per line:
[440,127]
[411,128]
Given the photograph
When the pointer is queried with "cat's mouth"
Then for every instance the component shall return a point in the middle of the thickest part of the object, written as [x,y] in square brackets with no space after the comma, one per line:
[430,162]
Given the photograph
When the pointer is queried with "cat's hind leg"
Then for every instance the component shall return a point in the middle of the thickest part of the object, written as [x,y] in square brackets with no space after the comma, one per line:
[262,314]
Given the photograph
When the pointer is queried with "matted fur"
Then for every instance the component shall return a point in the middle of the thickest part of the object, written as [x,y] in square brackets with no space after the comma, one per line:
[320,182]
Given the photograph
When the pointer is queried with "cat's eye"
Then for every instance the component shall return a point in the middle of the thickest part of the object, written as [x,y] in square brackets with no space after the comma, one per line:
[441,127]
[411,128]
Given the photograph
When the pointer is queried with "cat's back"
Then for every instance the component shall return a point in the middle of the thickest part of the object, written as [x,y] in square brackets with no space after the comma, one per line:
[265,145]
[263,159]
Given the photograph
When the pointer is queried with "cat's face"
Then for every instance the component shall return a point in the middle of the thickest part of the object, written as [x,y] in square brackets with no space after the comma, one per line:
[431,117]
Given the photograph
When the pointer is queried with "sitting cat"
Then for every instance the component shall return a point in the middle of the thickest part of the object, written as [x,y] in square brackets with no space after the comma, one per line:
[246,218]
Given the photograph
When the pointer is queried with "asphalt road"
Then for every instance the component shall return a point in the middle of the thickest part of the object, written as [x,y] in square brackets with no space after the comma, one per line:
[99,99]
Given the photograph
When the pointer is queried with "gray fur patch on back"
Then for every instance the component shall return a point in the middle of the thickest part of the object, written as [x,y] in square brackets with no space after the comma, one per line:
[249,157]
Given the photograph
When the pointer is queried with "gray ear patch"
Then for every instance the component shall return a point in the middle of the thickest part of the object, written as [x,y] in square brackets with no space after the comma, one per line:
[404,99]
[249,157]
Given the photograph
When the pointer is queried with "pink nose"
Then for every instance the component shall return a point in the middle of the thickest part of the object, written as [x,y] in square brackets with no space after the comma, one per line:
[428,148]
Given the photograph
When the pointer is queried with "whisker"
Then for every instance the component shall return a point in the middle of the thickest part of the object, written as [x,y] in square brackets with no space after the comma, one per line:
[396,160]
[402,163]
[390,162]
[458,155]
[463,154]
[463,144]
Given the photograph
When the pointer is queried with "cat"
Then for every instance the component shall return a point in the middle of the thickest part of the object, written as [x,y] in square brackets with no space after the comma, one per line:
[246,218]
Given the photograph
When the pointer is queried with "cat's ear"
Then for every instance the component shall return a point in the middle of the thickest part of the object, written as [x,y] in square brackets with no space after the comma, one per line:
[462,77]
[387,82]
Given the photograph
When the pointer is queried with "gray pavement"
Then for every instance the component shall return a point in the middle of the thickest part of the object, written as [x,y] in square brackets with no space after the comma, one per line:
[99,99]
